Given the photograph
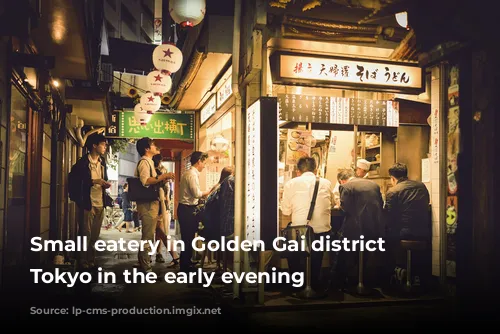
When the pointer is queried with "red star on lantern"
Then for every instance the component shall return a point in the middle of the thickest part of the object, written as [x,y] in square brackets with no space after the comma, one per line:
[168,53]
[151,99]
[158,78]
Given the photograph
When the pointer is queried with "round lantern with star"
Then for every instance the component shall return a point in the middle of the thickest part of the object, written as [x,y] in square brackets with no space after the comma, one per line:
[141,115]
[187,13]
[159,82]
[167,57]
[150,102]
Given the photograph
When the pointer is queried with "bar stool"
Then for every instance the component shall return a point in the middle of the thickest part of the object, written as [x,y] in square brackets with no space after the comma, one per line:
[296,233]
[361,289]
[410,245]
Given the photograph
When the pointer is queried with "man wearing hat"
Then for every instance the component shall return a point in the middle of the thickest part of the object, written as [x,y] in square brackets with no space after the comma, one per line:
[362,168]
[190,193]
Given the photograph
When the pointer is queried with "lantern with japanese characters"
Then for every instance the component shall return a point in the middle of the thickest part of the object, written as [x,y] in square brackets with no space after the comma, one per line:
[187,13]
[141,115]
[150,102]
[159,82]
[167,57]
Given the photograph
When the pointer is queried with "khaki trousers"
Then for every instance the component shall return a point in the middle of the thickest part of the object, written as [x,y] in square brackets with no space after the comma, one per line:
[91,228]
[148,213]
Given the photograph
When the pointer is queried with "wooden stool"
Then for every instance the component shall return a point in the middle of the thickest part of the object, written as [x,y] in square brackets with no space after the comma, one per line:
[410,245]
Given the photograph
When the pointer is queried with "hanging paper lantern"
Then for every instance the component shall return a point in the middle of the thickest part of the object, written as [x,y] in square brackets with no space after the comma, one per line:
[159,83]
[167,57]
[141,115]
[187,13]
[150,102]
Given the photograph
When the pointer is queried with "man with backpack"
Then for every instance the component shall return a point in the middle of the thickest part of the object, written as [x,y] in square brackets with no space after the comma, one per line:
[148,210]
[87,183]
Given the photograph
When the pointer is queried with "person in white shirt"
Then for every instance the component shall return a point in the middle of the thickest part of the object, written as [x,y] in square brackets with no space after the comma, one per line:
[189,196]
[297,196]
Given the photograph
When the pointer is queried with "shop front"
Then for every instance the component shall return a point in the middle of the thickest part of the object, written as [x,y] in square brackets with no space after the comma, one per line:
[339,110]
[216,135]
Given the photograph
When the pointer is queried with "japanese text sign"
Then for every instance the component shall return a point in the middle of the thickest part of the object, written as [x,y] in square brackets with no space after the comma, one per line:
[208,110]
[161,126]
[353,72]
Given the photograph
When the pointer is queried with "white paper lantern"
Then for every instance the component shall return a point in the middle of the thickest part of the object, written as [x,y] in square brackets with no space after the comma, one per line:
[159,83]
[141,115]
[150,102]
[187,13]
[167,57]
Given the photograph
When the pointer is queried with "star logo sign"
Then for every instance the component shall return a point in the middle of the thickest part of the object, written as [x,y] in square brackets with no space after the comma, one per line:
[158,78]
[168,53]
[151,99]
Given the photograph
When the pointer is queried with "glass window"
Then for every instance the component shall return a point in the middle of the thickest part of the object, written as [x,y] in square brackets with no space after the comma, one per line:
[16,193]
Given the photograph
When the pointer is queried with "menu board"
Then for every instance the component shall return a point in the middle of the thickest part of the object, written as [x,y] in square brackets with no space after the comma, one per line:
[304,108]
[340,113]
[261,172]
[338,110]
[253,155]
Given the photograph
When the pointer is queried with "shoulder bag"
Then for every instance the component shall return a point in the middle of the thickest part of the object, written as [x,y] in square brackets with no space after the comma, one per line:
[296,232]
[139,193]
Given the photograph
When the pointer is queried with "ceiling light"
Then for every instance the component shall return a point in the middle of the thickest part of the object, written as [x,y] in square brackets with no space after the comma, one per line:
[55,83]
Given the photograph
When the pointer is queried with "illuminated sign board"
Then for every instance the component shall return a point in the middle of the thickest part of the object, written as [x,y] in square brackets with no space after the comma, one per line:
[261,179]
[361,73]
[161,126]
[252,179]
[226,90]
[208,110]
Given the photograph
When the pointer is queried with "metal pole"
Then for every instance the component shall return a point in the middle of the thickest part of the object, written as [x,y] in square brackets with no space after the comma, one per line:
[239,148]
[355,158]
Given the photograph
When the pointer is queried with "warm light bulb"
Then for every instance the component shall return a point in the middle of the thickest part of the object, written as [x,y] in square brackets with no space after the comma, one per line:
[402,19]
[55,83]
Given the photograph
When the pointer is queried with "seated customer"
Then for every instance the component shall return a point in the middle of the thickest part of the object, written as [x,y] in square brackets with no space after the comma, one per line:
[408,218]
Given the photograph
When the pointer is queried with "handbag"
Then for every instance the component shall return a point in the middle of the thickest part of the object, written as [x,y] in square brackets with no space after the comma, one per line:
[296,232]
[108,200]
[137,192]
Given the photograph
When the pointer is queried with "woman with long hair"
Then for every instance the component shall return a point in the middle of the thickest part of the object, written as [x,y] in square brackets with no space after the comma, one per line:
[160,227]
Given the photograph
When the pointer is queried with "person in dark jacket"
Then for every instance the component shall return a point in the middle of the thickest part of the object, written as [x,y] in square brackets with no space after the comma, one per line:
[407,206]
[361,201]
[408,218]
[92,171]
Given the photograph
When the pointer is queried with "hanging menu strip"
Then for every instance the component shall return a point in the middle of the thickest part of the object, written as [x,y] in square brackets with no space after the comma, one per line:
[304,108]
[338,110]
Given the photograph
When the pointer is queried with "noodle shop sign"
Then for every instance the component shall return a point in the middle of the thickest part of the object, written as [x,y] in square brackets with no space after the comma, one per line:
[337,72]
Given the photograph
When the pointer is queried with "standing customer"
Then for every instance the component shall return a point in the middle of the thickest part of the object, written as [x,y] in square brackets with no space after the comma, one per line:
[127,212]
[87,184]
[148,211]
[190,193]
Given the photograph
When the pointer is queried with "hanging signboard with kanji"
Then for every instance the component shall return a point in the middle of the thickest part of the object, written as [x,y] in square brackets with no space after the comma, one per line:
[161,126]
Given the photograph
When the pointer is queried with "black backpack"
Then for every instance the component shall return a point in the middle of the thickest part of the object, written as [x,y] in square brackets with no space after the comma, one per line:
[209,215]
